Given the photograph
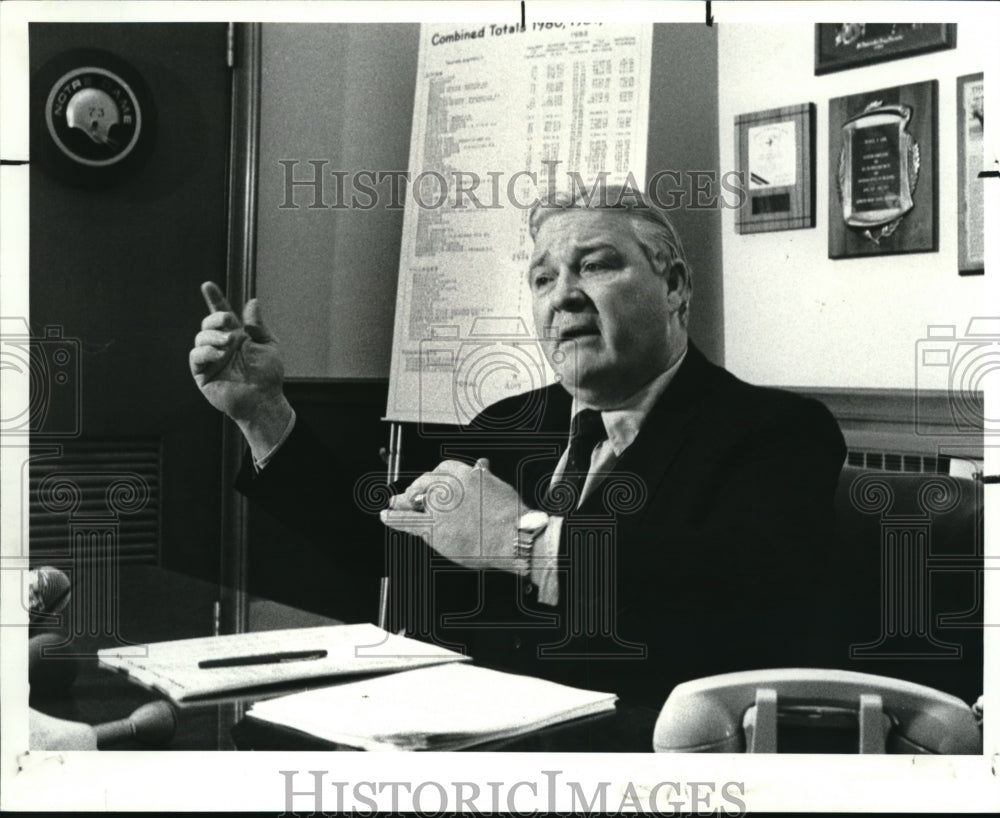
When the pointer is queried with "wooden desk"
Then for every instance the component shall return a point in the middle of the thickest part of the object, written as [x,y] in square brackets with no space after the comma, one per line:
[157,605]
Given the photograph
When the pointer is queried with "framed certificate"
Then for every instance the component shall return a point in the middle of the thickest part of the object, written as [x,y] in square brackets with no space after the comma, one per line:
[775,158]
[971,233]
[883,172]
[849,45]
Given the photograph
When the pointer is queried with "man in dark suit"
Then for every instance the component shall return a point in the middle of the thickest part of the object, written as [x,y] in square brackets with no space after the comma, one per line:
[683,531]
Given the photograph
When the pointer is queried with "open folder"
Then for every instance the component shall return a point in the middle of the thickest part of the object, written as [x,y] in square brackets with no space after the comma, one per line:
[447,707]
[195,668]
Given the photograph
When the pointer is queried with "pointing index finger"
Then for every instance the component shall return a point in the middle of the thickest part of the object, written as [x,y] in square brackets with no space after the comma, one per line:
[214,299]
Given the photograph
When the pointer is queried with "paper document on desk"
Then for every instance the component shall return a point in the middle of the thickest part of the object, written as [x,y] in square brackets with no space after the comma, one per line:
[192,668]
[447,707]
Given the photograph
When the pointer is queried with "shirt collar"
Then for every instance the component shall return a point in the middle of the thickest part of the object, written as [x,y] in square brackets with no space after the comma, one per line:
[623,422]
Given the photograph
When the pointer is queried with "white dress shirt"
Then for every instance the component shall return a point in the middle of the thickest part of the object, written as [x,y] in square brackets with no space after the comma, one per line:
[622,424]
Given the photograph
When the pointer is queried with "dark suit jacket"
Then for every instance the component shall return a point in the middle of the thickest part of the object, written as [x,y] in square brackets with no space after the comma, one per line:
[706,550]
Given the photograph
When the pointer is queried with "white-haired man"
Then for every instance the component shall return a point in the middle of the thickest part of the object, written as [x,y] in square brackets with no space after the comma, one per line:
[648,519]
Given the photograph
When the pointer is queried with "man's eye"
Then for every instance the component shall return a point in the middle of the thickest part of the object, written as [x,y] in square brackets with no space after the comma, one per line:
[541,280]
[593,266]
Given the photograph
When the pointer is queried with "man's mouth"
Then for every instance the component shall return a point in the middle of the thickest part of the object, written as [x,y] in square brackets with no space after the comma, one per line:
[572,333]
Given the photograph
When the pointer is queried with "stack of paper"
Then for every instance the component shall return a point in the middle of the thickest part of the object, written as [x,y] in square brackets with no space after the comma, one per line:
[209,666]
[447,707]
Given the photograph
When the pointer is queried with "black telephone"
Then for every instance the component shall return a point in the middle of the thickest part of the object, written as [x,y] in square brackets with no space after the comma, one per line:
[741,712]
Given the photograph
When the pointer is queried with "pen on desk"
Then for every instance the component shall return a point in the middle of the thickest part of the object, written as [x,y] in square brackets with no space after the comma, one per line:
[397,447]
[263,659]
[383,604]
[392,477]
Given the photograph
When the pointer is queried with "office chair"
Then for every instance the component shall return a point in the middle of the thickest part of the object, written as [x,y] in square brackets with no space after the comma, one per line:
[750,711]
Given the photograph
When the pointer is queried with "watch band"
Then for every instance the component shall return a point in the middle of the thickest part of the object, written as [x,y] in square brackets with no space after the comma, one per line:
[529,528]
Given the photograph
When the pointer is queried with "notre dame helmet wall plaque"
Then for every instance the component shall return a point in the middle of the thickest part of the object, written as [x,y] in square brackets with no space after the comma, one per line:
[93,117]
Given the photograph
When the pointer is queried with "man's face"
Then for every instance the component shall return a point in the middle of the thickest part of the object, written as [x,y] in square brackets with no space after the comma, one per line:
[610,322]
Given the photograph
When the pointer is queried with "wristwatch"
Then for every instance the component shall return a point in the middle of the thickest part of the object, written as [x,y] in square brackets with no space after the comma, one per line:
[529,528]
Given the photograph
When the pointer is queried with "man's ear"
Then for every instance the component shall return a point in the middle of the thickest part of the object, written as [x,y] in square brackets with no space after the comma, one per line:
[677,277]
[678,285]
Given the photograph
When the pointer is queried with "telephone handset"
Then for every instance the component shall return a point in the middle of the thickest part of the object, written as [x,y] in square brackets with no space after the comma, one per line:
[741,712]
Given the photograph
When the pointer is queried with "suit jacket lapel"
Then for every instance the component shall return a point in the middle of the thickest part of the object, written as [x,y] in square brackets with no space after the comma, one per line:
[664,431]
[536,468]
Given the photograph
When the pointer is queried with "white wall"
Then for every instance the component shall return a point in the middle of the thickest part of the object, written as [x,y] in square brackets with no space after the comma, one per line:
[792,316]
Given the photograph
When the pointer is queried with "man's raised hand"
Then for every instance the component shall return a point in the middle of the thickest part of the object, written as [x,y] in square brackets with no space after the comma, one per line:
[237,366]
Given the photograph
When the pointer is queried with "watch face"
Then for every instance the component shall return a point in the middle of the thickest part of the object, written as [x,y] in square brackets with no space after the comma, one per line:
[532,521]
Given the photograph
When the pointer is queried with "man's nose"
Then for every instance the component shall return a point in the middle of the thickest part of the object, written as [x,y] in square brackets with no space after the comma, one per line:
[567,294]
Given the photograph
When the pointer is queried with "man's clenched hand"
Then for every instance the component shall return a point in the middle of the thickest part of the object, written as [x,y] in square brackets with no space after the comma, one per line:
[237,366]
[465,513]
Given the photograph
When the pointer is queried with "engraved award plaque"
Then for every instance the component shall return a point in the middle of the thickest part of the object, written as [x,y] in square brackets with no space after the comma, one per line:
[883,186]
[879,166]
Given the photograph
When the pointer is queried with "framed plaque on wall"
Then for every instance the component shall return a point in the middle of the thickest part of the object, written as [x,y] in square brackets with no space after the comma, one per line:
[971,224]
[883,172]
[776,160]
[840,46]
